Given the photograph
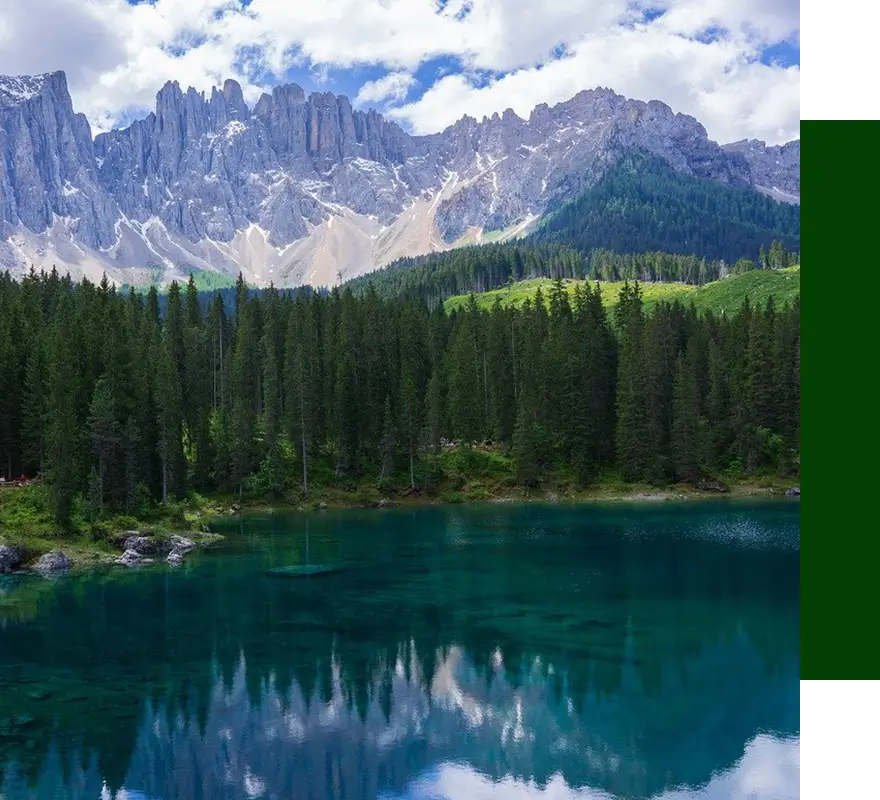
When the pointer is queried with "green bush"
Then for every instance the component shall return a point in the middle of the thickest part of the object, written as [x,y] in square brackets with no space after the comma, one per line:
[733,472]
[144,507]
[124,522]
[102,531]
[452,497]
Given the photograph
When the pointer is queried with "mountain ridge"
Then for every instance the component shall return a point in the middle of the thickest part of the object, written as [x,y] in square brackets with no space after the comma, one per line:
[308,189]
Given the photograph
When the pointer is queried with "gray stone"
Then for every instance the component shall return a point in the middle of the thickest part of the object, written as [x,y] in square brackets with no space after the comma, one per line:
[53,561]
[180,544]
[142,545]
[10,558]
[385,503]
[793,492]
[175,558]
[131,558]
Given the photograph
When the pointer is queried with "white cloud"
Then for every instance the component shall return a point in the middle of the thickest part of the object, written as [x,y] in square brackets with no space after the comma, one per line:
[117,55]
[733,96]
[393,86]
[769,767]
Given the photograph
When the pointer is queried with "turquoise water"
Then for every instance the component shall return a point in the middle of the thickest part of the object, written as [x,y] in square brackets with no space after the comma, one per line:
[473,652]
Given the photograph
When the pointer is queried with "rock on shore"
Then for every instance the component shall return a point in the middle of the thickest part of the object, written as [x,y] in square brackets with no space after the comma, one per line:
[53,561]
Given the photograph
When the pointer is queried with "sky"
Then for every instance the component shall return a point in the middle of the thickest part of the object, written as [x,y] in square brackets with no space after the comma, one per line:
[732,64]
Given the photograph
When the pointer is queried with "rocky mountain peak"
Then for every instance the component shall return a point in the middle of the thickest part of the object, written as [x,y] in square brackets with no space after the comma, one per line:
[303,188]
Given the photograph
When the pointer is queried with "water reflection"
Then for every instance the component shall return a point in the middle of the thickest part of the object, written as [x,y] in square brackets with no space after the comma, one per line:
[458,733]
[769,768]
[659,668]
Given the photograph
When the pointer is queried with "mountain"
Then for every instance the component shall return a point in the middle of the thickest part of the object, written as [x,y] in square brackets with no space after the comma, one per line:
[641,204]
[304,189]
[776,171]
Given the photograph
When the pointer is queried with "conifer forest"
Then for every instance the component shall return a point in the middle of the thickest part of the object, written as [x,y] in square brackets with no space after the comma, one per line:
[117,402]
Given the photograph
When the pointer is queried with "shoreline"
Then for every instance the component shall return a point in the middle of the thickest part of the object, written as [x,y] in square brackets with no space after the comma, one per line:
[86,553]
[601,494]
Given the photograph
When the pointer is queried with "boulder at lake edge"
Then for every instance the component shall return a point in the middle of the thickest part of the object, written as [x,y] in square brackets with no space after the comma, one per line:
[53,561]
[131,558]
[144,545]
[10,558]
[180,544]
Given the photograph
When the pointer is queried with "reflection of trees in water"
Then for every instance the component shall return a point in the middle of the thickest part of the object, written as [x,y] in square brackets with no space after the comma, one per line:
[292,742]
[582,659]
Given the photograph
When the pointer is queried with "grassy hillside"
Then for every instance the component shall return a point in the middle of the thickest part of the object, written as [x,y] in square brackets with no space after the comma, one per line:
[725,295]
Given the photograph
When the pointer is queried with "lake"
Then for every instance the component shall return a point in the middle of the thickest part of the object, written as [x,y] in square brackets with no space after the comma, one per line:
[466,652]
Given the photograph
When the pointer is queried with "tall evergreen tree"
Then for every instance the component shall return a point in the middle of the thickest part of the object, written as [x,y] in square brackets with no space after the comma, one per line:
[63,445]
[105,432]
[244,390]
[634,456]
[35,405]
[685,420]
[169,418]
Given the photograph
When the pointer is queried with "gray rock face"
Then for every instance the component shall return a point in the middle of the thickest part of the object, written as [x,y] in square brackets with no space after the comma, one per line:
[53,561]
[10,558]
[776,169]
[47,162]
[307,189]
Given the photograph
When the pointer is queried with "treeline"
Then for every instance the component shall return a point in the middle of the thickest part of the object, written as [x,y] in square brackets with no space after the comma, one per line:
[607,265]
[477,268]
[643,205]
[119,405]
[434,278]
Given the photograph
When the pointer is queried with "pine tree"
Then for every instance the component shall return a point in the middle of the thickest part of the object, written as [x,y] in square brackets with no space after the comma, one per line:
[720,437]
[244,392]
[685,421]
[434,410]
[346,399]
[35,404]
[760,387]
[527,447]
[389,443]
[501,381]
[131,444]
[302,383]
[105,433]
[464,387]
[634,456]
[63,433]
[169,413]
[272,392]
